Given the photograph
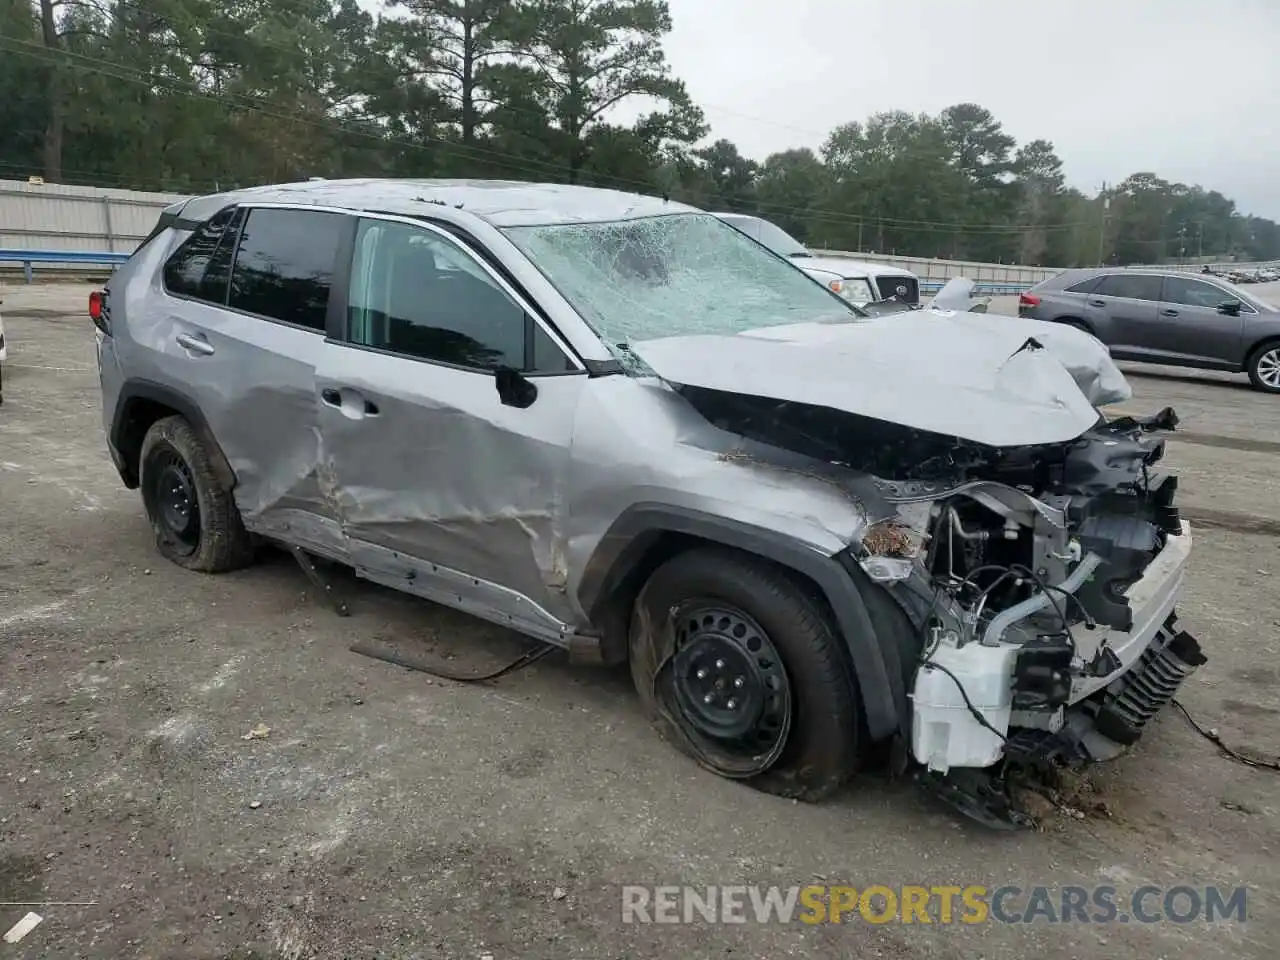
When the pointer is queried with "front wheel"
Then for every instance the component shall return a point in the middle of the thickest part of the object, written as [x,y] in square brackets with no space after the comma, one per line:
[1264,367]
[739,666]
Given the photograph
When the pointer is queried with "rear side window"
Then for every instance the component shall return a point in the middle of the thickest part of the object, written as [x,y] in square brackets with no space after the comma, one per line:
[285,265]
[1084,286]
[199,268]
[1133,286]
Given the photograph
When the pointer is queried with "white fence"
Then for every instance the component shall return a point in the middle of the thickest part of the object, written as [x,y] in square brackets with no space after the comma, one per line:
[933,271]
[60,217]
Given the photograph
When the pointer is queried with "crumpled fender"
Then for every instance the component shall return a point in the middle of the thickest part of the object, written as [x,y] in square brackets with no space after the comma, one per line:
[1086,357]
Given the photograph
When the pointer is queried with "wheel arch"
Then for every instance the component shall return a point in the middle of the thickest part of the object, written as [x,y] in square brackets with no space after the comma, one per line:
[1258,344]
[647,535]
[142,403]
[1073,321]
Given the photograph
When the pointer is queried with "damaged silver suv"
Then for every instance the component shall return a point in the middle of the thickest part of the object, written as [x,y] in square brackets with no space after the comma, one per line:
[620,426]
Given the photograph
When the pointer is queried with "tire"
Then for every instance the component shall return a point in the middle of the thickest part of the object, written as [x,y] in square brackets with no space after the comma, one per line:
[174,457]
[1263,367]
[817,750]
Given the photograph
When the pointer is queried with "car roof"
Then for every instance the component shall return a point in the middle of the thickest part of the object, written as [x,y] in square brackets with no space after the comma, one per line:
[1076,274]
[503,203]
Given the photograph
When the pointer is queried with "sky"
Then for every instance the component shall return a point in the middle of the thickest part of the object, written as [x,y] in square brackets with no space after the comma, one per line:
[1186,89]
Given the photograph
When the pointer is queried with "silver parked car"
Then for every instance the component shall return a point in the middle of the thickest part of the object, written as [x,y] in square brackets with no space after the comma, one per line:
[1183,319]
[618,426]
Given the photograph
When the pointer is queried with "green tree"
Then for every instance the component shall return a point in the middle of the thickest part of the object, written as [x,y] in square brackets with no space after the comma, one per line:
[1039,186]
[444,46]
[790,187]
[582,58]
[730,177]
[24,107]
[982,152]
[892,185]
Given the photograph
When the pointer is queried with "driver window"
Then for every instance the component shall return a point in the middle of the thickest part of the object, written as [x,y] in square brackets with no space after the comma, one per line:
[1194,293]
[416,293]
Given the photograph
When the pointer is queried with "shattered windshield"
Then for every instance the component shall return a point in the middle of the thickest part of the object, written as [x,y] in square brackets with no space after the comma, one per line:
[675,275]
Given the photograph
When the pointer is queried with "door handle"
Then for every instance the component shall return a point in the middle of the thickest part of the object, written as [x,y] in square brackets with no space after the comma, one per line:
[333,398]
[1168,313]
[196,343]
[1097,303]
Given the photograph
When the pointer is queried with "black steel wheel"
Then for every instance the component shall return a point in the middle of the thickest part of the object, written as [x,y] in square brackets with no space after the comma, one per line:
[739,666]
[172,491]
[192,514]
[728,680]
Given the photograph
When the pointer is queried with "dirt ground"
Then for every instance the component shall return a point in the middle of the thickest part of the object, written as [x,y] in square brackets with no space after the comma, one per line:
[387,814]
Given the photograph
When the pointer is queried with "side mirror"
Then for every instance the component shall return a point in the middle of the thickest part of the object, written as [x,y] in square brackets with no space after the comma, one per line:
[514,389]
[1231,308]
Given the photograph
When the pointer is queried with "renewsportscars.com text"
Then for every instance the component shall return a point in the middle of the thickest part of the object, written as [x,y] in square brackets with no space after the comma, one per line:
[939,904]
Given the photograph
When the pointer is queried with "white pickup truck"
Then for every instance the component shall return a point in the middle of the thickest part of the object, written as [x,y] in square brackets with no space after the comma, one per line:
[858,282]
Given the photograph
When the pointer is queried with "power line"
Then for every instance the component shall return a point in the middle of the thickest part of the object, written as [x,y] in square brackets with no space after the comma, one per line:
[123,72]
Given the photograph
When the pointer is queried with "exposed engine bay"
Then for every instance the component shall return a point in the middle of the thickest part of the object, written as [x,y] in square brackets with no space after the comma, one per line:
[1041,580]
[1049,630]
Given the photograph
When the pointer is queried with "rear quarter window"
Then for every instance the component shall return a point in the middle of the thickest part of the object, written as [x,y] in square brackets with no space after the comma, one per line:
[1083,286]
[200,266]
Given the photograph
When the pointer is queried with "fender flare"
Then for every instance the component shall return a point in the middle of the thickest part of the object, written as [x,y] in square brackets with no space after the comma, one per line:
[876,657]
[135,389]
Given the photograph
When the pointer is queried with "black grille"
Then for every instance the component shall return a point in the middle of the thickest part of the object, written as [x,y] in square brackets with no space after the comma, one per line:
[1136,697]
[888,287]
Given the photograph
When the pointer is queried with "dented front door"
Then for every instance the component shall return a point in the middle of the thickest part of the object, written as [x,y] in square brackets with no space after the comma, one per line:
[438,478]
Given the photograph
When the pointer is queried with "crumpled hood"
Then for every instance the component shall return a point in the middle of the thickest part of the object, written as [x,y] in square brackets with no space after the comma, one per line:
[965,375]
[1086,357]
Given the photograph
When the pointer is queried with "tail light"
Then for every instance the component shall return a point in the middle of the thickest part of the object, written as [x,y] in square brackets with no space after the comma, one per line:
[1028,300]
[98,311]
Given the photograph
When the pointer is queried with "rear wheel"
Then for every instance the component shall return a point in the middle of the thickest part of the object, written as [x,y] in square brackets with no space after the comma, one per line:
[739,666]
[194,517]
[1264,367]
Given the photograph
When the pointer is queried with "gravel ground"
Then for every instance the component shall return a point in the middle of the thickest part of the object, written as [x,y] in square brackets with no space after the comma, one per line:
[386,814]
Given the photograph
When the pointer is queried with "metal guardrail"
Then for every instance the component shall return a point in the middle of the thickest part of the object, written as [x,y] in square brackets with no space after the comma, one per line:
[29,258]
[990,289]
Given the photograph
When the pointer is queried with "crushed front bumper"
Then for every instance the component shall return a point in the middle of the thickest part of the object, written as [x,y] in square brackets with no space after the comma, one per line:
[1151,599]
[1108,713]
[1113,718]
[1104,715]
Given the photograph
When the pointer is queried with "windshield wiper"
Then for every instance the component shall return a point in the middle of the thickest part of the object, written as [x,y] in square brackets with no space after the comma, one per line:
[799,254]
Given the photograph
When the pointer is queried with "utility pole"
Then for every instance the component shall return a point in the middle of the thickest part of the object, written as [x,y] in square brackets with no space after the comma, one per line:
[1102,230]
[859,248]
